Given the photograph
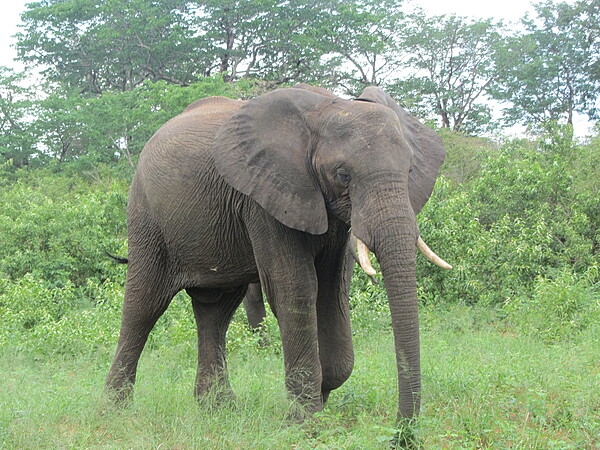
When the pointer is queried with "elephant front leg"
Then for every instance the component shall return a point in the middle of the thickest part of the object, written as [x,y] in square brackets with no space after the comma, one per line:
[294,303]
[336,351]
[286,266]
[213,311]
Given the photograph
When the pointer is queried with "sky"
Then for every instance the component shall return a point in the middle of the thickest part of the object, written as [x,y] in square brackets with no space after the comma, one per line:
[509,10]
[9,18]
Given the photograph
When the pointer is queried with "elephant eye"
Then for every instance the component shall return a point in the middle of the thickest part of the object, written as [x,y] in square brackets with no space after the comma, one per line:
[342,176]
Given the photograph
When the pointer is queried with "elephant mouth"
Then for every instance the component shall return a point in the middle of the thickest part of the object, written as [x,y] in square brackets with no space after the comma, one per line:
[361,253]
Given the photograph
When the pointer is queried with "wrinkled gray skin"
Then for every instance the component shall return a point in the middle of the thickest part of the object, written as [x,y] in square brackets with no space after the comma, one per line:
[254,306]
[230,193]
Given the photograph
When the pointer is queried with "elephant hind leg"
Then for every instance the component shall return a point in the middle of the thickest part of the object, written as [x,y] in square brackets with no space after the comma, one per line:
[144,303]
[213,311]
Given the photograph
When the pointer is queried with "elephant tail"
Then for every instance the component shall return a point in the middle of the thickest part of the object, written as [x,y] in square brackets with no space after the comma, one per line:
[117,259]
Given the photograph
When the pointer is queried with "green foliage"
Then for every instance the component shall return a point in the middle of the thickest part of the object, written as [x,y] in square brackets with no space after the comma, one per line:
[118,124]
[465,155]
[57,227]
[116,46]
[561,306]
[549,71]
[42,320]
[110,71]
[57,293]
[584,165]
[516,217]
[92,46]
[450,65]
[16,139]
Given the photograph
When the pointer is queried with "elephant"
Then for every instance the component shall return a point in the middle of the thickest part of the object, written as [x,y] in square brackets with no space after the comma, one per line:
[269,190]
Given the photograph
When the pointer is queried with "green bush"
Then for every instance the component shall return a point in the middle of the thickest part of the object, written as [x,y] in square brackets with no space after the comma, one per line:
[464,155]
[57,227]
[49,320]
[118,124]
[519,219]
[561,306]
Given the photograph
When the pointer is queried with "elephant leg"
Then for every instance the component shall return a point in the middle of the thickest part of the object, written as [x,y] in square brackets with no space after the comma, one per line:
[336,351]
[145,301]
[292,296]
[295,307]
[213,311]
[287,273]
[255,306]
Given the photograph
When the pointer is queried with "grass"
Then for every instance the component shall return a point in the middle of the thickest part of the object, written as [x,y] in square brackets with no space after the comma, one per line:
[484,386]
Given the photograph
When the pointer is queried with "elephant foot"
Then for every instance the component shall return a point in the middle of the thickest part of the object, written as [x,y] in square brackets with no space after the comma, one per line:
[298,413]
[119,386]
[216,394]
[121,397]
[303,407]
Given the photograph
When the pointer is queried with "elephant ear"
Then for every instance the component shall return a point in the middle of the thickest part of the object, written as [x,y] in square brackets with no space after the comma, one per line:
[263,151]
[427,147]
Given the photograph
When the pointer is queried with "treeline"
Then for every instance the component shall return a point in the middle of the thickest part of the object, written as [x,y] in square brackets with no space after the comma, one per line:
[109,73]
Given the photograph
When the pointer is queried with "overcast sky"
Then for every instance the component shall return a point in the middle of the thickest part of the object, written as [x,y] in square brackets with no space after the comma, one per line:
[9,18]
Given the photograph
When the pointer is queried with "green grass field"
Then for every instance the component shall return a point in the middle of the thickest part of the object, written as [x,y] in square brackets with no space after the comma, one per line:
[484,386]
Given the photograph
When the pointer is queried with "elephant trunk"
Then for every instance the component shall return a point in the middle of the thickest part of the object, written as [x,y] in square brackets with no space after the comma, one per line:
[398,269]
[386,224]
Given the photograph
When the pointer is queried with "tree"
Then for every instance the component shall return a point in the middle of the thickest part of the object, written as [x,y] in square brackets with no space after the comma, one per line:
[116,125]
[546,72]
[589,11]
[450,68]
[361,42]
[325,41]
[95,45]
[16,142]
[260,38]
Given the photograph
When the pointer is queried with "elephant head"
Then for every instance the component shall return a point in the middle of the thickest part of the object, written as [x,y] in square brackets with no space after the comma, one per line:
[428,156]
[313,161]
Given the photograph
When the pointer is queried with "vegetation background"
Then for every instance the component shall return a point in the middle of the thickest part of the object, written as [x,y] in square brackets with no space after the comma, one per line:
[510,337]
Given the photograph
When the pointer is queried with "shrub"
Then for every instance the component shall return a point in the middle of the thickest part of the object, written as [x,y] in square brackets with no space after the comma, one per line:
[49,320]
[518,220]
[57,227]
[561,306]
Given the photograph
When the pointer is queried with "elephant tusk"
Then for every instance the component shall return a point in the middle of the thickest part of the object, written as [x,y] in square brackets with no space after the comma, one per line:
[363,258]
[430,255]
